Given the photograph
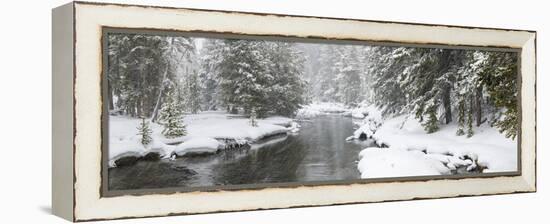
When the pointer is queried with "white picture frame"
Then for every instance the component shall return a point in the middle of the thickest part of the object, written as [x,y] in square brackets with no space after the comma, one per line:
[77,111]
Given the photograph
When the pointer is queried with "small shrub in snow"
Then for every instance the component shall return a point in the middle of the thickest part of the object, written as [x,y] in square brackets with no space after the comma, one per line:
[253,122]
[145,132]
[431,122]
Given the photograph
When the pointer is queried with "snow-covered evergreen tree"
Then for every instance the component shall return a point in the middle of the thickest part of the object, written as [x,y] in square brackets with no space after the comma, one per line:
[285,86]
[499,76]
[262,75]
[171,116]
[243,75]
[145,132]
[430,119]
[386,66]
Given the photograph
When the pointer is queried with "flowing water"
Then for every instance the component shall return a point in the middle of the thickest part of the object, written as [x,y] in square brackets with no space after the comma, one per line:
[318,152]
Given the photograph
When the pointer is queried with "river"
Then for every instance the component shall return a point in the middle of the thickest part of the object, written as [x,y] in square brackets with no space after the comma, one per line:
[318,152]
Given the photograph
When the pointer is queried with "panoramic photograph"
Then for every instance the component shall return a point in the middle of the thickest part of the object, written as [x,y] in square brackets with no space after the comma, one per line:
[192,111]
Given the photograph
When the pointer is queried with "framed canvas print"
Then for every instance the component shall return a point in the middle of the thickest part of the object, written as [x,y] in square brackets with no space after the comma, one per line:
[166,111]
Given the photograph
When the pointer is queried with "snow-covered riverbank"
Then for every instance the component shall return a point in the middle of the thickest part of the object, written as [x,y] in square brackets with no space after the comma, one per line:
[407,150]
[328,108]
[207,132]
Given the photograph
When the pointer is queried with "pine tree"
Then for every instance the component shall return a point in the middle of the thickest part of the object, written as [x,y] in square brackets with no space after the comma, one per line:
[243,75]
[286,89]
[171,117]
[431,122]
[253,122]
[145,132]
[261,75]
[499,76]
[387,66]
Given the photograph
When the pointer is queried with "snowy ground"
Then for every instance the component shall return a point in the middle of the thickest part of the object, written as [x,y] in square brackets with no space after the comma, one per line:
[322,108]
[409,151]
[328,108]
[413,152]
[207,132]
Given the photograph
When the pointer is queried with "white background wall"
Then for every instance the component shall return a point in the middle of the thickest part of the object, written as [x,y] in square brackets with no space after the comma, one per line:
[25,112]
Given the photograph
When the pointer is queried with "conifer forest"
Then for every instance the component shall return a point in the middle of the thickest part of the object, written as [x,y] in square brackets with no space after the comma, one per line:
[188,111]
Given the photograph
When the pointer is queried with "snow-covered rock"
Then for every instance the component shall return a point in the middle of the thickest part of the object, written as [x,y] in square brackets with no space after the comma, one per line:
[294,127]
[198,145]
[372,120]
[357,114]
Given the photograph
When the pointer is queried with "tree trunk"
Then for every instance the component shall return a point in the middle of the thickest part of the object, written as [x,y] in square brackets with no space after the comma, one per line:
[140,108]
[445,61]
[110,96]
[478,97]
[234,110]
[447,104]
[161,90]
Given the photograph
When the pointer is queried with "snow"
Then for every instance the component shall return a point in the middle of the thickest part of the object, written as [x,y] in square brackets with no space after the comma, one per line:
[383,162]
[291,125]
[294,127]
[125,141]
[198,145]
[370,123]
[206,133]
[222,126]
[321,108]
[364,110]
[417,150]
[278,120]
[487,145]
[360,111]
